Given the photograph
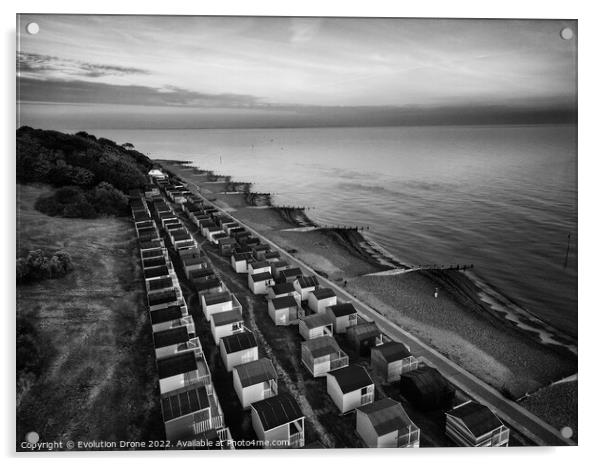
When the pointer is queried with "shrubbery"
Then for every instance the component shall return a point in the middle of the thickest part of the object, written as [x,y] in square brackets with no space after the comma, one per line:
[73,202]
[38,266]
[103,169]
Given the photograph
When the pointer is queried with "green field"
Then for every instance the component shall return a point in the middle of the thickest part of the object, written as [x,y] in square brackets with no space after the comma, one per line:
[99,380]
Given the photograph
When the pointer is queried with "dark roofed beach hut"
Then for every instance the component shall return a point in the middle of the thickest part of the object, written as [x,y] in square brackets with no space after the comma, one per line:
[426,388]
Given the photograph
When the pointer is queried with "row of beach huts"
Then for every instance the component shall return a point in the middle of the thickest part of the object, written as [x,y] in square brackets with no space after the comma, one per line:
[191,410]
[322,318]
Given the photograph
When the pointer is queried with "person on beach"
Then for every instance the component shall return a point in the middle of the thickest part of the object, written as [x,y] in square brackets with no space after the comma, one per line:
[436,292]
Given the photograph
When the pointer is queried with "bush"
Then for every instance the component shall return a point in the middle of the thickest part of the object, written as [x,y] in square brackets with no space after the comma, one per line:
[38,266]
[109,200]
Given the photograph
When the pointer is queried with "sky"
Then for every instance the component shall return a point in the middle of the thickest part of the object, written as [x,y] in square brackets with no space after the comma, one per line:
[146,71]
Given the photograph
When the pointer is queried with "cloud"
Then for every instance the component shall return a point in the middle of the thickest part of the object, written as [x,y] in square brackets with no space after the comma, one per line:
[304,29]
[79,91]
[33,64]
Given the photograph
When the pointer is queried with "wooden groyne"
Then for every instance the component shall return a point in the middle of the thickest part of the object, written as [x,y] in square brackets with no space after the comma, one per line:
[258,199]
[414,268]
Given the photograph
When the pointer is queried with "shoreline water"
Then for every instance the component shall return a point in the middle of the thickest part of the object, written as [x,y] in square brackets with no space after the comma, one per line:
[238,198]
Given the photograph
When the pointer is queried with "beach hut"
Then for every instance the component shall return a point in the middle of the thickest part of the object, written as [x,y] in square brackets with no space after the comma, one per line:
[385,424]
[271,256]
[192,251]
[174,340]
[206,273]
[278,421]
[157,252]
[157,261]
[284,310]
[305,285]
[181,239]
[163,299]
[153,245]
[391,359]
[259,267]
[473,425]
[182,370]
[321,298]
[190,411]
[207,285]
[250,240]
[255,381]
[283,289]
[343,316]
[314,326]
[349,387]
[426,388]
[155,273]
[216,237]
[364,337]
[239,261]
[290,274]
[259,282]
[226,245]
[238,349]
[157,174]
[259,251]
[226,323]
[322,354]
[162,283]
[213,303]
[278,267]
[191,262]
[170,317]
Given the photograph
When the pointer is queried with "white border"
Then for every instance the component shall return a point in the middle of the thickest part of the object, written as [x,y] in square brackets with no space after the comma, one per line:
[589,206]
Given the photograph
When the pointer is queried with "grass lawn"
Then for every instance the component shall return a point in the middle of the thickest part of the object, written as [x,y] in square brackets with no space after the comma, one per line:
[100,383]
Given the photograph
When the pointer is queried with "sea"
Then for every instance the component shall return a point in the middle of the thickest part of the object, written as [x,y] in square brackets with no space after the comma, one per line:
[503,198]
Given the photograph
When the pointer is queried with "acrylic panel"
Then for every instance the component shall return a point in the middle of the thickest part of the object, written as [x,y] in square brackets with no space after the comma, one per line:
[295,232]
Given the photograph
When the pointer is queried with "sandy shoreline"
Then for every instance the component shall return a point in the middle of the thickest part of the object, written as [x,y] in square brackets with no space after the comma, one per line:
[459,323]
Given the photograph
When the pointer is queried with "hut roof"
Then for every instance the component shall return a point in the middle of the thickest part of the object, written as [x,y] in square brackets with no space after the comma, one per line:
[316,320]
[277,410]
[282,288]
[386,416]
[363,331]
[479,419]
[254,372]
[239,342]
[294,272]
[201,285]
[217,298]
[258,277]
[392,351]
[323,293]
[184,401]
[351,378]
[160,283]
[166,315]
[259,265]
[308,282]
[321,346]
[426,387]
[179,364]
[172,336]
[344,309]
[227,317]
[284,302]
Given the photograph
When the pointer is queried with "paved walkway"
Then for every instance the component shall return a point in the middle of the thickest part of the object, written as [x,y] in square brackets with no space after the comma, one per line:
[513,414]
